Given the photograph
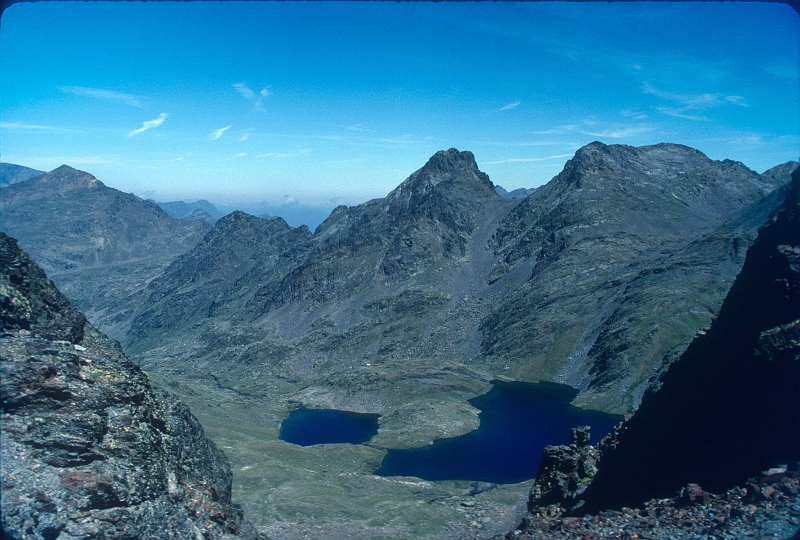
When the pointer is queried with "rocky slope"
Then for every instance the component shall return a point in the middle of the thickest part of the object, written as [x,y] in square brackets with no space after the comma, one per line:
[631,251]
[89,448]
[726,410]
[99,245]
[598,279]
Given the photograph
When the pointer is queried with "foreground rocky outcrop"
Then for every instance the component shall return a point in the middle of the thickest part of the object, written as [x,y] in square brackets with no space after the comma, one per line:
[726,410]
[89,448]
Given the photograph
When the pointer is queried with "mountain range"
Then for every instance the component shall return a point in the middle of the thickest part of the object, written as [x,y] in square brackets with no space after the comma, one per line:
[407,306]
[598,279]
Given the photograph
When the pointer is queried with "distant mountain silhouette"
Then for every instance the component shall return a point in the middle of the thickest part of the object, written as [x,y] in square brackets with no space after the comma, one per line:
[201,210]
[11,174]
[98,244]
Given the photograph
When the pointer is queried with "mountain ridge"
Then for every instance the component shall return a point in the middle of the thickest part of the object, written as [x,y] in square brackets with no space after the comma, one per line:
[492,277]
[97,243]
[11,173]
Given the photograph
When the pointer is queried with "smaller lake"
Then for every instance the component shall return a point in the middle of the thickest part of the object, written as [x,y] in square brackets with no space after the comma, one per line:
[306,427]
[517,421]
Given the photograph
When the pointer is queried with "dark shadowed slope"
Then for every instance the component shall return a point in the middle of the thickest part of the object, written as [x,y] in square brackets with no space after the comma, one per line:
[89,449]
[730,407]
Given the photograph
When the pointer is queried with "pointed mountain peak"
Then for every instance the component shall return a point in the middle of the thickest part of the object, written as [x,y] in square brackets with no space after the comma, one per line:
[65,178]
[448,165]
[450,161]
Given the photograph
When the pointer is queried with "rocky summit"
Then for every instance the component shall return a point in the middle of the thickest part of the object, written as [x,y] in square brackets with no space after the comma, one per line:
[98,244]
[89,448]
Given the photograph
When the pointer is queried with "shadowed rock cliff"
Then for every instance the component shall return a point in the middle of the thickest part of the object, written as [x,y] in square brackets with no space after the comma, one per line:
[730,407]
[89,448]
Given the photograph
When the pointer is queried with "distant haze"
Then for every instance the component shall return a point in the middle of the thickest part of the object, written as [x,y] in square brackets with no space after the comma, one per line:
[312,105]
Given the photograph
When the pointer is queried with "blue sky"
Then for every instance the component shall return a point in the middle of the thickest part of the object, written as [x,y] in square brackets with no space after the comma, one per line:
[319,104]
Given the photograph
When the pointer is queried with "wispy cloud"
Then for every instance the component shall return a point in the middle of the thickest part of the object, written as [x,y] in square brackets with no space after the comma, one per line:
[106,95]
[256,97]
[246,134]
[149,124]
[510,106]
[214,135]
[357,127]
[618,133]
[183,157]
[589,128]
[783,68]
[51,162]
[85,160]
[240,155]
[636,115]
[682,113]
[282,155]
[33,127]
[688,104]
[522,144]
[525,160]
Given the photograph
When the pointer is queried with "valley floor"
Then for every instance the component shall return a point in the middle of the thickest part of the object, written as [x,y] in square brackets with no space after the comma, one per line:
[329,491]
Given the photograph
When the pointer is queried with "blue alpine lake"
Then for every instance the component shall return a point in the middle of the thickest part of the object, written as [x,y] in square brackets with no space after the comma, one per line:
[517,421]
[307,427]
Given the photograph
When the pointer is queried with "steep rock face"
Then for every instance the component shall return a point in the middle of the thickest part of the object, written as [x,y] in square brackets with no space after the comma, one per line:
[630,250]
[426,220]
[98,244]
[730,406]
[777,175]
[214,278]
[89,449]
[565,471]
